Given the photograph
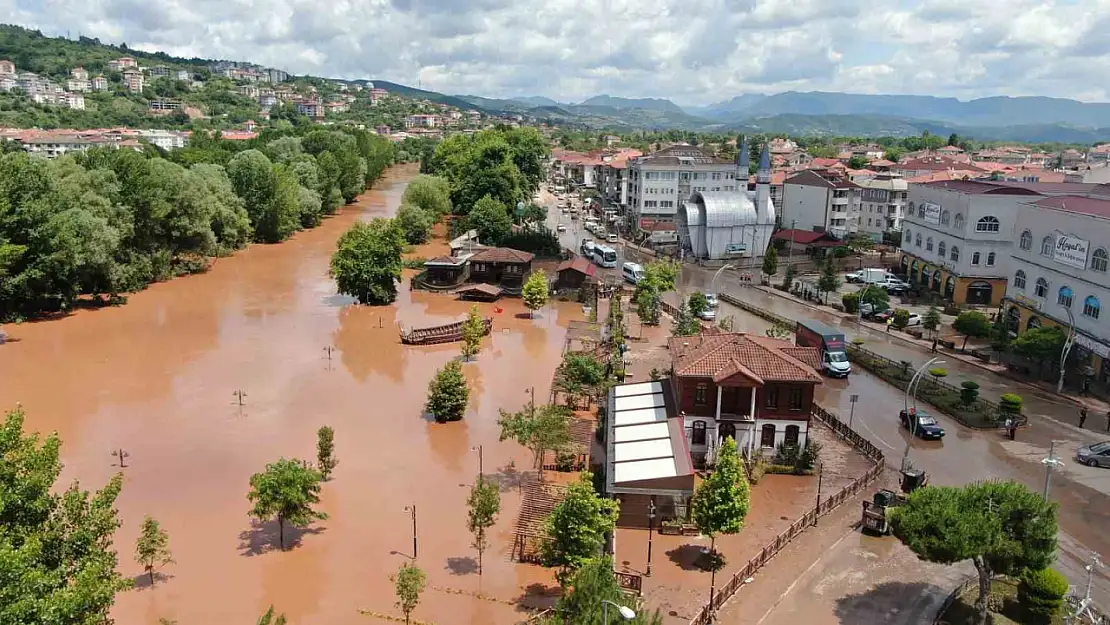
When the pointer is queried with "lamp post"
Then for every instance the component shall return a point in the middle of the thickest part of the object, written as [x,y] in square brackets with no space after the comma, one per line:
[717,274]
[911,390]
[1068,343]
[1052,460]
[820,478]
[625,611]
[481,472]
[852,415]
[651,530]
[412,510]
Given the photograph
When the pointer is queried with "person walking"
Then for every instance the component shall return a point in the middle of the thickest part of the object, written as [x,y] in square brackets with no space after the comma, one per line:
[1082,416]
[1085,391]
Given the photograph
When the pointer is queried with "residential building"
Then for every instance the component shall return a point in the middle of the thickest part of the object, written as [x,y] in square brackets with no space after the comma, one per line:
[74,84]
[338,107]
[165,139]
[377,94]
[183,74]
[160,71]
[754,389]
[250,91]
[502,266]
[267,100]
[75,101]
[6,67]
[613,178]
[421,121]
[1059,273]
[1097,172]
[930,165]
[277,75]
[660,181]
[125,61]
[99,83]
[821,200]
[312,108]
[957,235]
[8,82]
[134,80]
[882,204]
[54,145]
[79,73]
[161,105]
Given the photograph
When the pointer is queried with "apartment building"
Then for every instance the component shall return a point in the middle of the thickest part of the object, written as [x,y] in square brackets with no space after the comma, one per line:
[79,73]
[99,83]
[882,204]
[134,80]
[821,200]
[661,181]
[78,84]
[6,67]
[312,108]
[613,177]
[421,121]
[160,71]
[75,101]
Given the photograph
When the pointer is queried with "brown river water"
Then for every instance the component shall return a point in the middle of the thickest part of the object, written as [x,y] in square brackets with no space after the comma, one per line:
[158,376]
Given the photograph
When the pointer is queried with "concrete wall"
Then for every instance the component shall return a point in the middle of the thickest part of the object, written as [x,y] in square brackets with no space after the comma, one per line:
[805,207]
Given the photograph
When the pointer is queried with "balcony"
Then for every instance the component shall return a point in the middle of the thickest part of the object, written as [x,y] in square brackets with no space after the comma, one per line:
[840,201]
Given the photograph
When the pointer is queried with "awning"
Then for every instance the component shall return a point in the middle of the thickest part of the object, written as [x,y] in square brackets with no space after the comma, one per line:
[646,451]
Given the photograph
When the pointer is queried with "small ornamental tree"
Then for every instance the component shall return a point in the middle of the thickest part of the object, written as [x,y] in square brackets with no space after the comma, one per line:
[779,330]
[1041,345]
[1042,593]
[877,297]
[931,320]
[539,428]
[271,618]
[901,318]
[153,547]
[448,393]
[325,451]
[850,301]
[1002,527]
[829,281]
[1010,405]
[536,293]
[287,490]
[722,501]
[592,584]
[972,323]
[685,324]
[698,303]
[788,278]
[648,305]
[577,528]
[482,507]
[409,582]
[771,261]
[473,330]
[969,392]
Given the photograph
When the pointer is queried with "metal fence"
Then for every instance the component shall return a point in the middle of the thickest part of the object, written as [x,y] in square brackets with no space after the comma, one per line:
[951,598]
[705,615]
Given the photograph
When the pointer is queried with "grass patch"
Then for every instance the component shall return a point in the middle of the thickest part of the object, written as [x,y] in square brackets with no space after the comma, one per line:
[1003,603]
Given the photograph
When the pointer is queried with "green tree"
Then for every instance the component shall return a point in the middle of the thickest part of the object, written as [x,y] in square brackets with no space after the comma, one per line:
[972,323]
[894,153]
[685,324]
[591,584]
[491,219]
[662,274]
[539,428]
[648,303]
[430,193]
[788,278]
[325,451]
[697,303]
[722,500]
[1042,593]
[448,393]
[771,261]
[1041,345]
[877,297]
[829,281]
[535,292]
[931,320]
[581,373]
[482,507]
[153,547]
[287,490]
[577,528]
[415,223]
[1002,527]
[473,331]
[270,618]
[58,562]
[780,330]
[269,196]
[850,301]
[901,318]
[409,582]
[858,162]
[367,263]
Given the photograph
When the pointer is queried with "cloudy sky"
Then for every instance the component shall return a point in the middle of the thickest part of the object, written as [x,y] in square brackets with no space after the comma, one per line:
[692,51]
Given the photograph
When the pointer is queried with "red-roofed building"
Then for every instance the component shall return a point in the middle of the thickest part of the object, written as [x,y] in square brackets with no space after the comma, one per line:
[926,165]
[754,389]
[571,274]
[503,266]
[613,176]
[805,241]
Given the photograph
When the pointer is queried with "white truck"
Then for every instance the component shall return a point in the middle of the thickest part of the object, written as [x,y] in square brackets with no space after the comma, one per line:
[875,276]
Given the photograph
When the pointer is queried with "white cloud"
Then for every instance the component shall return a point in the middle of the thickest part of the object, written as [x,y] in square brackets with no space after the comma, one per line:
[693,51]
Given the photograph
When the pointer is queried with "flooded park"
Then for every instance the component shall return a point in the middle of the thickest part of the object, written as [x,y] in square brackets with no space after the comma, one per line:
[203,380]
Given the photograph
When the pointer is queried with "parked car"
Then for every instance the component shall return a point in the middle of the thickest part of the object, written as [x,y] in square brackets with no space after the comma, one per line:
[914,320]
[926,426]
[894,286]
[612,237]
[709,314]
[561,228]
[1096,455]
[712,299]
[855,276]
[882,316]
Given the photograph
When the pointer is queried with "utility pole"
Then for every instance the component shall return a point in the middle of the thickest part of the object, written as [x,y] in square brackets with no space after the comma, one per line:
[651,530]
[122,456]
[481,472]
[852,414]
[412,510]
[820,478]
[1051,461]
[532,390]
[329,349]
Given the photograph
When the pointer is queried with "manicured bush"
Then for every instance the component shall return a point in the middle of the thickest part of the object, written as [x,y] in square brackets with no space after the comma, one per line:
[969,392]
[1010,404]
[850,302]
[1041,593]
[901,318]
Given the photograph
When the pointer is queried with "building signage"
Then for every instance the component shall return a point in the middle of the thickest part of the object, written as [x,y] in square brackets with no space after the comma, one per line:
[932,212]
[1092,346]
[735,249]
[1071,250]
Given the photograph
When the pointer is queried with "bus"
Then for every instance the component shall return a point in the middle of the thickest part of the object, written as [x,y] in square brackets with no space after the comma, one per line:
[605,256]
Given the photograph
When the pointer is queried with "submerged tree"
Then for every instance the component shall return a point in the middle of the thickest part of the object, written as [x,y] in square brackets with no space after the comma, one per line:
[473,330]
[540,429]
[409,582]
[536,291]
[448,393]
[325,451]
[577,527]
[482,507]
[153,547]
[287,490]
[722,501]
[367,263]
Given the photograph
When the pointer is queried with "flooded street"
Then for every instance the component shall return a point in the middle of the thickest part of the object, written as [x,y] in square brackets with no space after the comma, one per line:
[158,379]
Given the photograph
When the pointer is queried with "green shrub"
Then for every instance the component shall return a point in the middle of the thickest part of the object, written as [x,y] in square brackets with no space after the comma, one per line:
[901,318]
[851,302]
[969,392]
[1041,593]
[1010,404]
[938,372]
[858,341]
[778,469]
[807,460]
[786,454]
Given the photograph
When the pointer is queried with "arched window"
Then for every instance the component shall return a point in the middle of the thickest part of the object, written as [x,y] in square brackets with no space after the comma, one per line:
[945,217]
[767,436]
[975,258]
[1026,242]
[698,435]
[988,224]
[1064,296]
[1041,289]
[942,247]
[921,211]
[929,244]
[1099,260]
[792,436]
[1091,307]
[959,221]
[907,238]
[917,241]
[1019,279]
[954,255]
[1047,244]
[990,259]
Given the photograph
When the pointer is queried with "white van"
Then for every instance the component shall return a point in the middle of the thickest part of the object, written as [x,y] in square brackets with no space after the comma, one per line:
[632,272]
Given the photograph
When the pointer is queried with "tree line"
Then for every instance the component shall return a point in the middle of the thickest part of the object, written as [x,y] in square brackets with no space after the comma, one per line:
[112,221]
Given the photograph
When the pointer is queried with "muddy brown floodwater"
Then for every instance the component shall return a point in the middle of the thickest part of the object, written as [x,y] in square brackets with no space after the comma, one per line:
[158,376]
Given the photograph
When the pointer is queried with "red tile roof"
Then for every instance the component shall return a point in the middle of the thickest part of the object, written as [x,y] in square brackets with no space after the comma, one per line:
[758,358]
[805,237]
[825,162]
[502,255]
[579,264]
[1097,207]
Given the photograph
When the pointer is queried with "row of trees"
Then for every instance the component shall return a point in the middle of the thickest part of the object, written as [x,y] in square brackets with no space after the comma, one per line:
[113,221]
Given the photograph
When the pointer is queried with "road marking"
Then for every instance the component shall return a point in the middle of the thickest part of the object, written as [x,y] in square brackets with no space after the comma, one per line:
[799,578]
[877,437]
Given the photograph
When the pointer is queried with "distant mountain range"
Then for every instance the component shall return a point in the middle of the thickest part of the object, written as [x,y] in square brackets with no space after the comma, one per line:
[1032,119]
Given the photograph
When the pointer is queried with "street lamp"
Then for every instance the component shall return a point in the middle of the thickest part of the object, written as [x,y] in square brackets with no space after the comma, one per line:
[481,472]
[1049,462]
[412,510]
[1068,343]
[717,274]
[911,390]
[651,530]
[625,611]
